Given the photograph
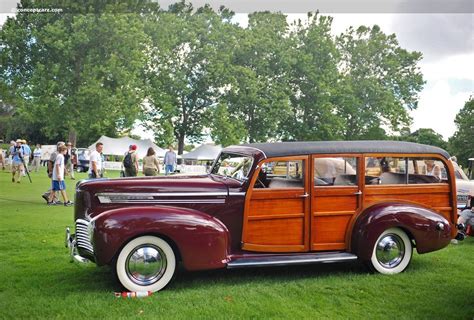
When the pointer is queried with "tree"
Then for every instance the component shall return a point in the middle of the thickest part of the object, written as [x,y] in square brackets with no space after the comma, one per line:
[258,98]
[461,144]
[183,85]
[380,82]
[74,73]
[314,82]
[425,136]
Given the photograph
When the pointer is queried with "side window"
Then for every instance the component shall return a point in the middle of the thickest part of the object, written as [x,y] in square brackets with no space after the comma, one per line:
[335,171]
[281,175]
[385,170]
[426,170]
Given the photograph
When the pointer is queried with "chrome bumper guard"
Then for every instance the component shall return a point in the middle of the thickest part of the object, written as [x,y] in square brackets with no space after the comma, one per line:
[71,243]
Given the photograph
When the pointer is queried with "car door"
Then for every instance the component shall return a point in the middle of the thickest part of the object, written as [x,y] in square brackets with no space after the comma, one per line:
[276,217]
[336,198]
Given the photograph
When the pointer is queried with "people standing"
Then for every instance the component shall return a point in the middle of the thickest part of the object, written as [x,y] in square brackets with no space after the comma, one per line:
[95,161]
[37,153]
[16,152]
[170,161]
[151,166]
[58,183]
[2,158]
[26,156]
[69,160]
[130,161]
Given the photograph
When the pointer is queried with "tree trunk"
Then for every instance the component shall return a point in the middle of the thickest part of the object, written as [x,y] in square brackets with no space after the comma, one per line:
[181,144]
[72,137]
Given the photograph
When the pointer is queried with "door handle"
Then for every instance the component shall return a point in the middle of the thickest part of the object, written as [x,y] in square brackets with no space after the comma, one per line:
[304,195]
[358,192]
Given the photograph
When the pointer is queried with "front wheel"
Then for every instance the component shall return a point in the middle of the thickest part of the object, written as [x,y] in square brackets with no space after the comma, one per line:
[392,252]
[146,263]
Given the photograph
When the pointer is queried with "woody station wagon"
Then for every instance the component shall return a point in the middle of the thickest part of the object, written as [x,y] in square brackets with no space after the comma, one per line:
[270,204]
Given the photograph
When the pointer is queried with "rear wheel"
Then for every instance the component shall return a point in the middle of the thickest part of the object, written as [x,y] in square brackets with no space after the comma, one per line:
[392,252]
[146,263]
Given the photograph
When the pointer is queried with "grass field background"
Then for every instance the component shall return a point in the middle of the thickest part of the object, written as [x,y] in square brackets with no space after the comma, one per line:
[38,281]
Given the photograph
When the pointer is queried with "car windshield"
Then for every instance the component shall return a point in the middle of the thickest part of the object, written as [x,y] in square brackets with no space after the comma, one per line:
[458,172]
[232,165]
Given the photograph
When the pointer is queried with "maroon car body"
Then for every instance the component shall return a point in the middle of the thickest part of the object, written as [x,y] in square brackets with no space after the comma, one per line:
[209,221]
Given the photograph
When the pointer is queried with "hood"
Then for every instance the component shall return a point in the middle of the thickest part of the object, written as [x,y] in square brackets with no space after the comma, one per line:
[168,184]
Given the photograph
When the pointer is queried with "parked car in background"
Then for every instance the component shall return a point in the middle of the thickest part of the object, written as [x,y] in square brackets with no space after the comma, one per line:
[270,204]
[82,159]
[464,186]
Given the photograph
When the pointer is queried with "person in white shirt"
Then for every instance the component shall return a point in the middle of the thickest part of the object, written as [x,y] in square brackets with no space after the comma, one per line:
[69,160]
[95,161]
[37,153]
[58,183]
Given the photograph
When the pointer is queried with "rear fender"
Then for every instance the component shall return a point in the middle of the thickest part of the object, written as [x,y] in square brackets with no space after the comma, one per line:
[202,240]
[419,223]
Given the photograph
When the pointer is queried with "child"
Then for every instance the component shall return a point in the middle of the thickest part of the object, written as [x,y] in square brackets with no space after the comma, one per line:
[58,178]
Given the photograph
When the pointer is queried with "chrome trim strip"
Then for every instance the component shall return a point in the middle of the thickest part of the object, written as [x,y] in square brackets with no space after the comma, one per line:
[237,194]
[163,194]
[283,262]
[166,201]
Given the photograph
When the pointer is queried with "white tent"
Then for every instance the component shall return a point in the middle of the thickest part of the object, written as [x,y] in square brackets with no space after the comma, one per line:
[119,146]
[203,152]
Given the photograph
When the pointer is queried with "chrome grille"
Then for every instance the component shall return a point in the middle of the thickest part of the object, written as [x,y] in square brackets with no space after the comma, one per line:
[82,235]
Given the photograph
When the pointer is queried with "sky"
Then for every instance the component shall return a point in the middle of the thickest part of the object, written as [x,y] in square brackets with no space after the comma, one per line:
[443,34]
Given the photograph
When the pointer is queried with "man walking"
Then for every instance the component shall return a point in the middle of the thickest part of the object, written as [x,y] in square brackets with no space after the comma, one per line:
[95,161]
[130,161]
[58,183]
[50,167]
[26,156]
[16,152]
[170,161]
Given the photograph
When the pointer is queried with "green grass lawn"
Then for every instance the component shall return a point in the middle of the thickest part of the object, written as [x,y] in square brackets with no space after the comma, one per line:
[38,281]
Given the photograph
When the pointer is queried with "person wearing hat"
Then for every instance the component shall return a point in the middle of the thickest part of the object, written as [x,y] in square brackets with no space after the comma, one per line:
[16,152]
[130,161]
[27,153]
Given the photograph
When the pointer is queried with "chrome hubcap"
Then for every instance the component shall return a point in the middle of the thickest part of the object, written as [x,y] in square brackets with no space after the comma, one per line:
[390,251]
[146,264]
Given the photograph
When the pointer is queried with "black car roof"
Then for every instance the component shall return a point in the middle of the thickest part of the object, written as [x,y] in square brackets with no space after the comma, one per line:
[281,149]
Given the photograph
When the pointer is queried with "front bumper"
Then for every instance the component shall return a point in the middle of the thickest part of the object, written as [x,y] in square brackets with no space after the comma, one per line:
[71,243]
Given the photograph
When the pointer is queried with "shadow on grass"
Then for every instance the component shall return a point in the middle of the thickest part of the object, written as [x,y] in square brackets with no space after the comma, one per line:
[93,279]
[204,279]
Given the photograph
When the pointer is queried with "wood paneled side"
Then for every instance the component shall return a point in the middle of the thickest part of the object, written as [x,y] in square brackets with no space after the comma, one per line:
[335,203]
[269,207]
[276,232]
[433,197]
[329,229]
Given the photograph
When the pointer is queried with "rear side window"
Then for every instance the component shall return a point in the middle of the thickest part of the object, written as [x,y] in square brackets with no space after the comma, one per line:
[385,170]
[335,171]
[426,170]
[398,170]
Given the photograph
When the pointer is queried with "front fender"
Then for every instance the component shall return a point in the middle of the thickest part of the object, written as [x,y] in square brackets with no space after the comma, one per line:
[202,240]
[419,223]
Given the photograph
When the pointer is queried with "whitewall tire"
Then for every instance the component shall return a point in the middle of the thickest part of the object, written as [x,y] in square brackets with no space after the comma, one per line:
[392,252]
[146,263]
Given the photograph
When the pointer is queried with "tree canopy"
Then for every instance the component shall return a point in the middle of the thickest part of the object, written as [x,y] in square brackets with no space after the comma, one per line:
[461,143]
[188,73]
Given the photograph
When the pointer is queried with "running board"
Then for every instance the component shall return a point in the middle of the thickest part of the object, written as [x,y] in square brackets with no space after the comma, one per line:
[294,259]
